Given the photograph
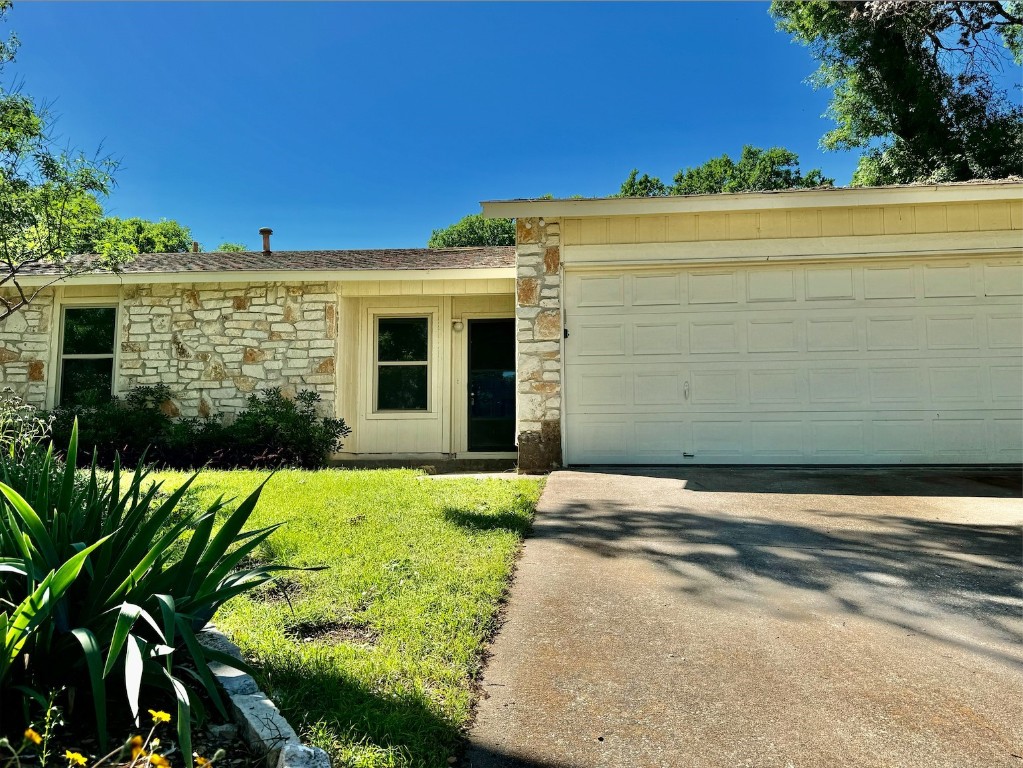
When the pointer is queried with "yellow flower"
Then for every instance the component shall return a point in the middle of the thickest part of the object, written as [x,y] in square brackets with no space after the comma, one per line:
[160,717]
[75,758]
[159,761]
[32,736]
[201,762]
[136,747]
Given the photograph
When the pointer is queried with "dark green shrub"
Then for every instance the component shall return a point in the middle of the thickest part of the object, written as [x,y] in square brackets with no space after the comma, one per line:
[108,585]
[129,427]
[272,431]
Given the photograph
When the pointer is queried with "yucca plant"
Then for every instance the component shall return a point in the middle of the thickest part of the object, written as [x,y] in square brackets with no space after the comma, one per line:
[152,574]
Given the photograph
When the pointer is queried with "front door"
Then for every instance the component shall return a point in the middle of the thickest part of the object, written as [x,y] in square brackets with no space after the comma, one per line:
[492,385]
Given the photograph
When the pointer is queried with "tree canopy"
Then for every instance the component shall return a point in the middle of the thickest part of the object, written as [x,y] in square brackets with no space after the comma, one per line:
[50,202]
[916,85]
[474,230]
[756,170]
[143,236]
[232,247]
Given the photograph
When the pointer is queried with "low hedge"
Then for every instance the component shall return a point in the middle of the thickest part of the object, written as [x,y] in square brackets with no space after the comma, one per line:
[272,431]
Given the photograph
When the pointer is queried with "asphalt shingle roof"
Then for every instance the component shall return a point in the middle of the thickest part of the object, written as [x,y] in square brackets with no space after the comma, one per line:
[325,261]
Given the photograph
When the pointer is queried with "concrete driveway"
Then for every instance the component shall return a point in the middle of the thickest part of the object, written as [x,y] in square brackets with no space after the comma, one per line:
[763,618]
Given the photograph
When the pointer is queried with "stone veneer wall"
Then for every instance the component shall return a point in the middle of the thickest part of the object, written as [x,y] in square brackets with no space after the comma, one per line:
[539,339]
[25,350]
[212,344]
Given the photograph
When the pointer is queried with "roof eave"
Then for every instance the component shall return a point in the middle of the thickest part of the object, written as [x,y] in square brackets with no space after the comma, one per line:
[756,201]
[274,276]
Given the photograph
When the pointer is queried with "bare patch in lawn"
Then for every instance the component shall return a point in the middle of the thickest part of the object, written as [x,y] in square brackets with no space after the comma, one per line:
[279,590]
[349,632]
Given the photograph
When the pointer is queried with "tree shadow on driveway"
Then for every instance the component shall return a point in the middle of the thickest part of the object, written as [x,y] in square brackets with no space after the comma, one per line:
[923,571]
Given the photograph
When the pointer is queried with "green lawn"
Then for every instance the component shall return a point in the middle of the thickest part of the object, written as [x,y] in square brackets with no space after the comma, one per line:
[375,658]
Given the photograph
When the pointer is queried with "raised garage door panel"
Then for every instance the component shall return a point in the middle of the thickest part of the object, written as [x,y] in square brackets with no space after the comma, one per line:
[803,364]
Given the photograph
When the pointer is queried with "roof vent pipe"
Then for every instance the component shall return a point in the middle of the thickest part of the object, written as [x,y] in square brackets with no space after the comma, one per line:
[266,232]
[195,247]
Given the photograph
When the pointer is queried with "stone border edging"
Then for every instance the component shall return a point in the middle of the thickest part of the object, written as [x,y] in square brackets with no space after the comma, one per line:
[261,724]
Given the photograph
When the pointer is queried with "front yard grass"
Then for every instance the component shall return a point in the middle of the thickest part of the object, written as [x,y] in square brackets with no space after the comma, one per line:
[375,658]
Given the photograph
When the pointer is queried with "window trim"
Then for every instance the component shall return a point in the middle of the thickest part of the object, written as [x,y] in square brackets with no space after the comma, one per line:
[377,363]
[113,356]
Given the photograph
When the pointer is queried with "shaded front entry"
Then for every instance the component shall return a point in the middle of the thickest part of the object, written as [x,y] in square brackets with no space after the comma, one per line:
[492,385]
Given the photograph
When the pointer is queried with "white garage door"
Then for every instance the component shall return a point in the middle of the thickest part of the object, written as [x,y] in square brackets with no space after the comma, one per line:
[879,363]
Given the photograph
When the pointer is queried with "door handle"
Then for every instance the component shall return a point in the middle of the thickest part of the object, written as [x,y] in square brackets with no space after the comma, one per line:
[685,390]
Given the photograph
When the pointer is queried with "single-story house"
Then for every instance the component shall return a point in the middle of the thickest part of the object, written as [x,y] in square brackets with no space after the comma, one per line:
[831,326]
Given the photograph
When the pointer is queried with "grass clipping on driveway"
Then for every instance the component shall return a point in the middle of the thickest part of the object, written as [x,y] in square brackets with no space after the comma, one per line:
[375,658]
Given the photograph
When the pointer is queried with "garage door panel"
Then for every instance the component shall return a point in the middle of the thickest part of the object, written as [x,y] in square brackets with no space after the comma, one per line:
[724,438]
[1008,437]
[604,339]
[775,438]
[770,285]
[714,337]
[713,287]
[837,440]
[889,282]
[949,281]
[874,363]
[825,283]
[1005,331]
[656,290]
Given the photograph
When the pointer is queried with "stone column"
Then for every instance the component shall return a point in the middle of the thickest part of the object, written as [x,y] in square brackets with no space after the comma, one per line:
[539,336]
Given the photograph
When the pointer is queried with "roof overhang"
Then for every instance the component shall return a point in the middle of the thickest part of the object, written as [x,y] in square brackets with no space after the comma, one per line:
[916,194]
[263,276]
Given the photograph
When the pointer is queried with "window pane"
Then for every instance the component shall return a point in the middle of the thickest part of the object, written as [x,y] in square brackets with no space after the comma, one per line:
[401,388]
[89,330]
[85,382]
[402,339]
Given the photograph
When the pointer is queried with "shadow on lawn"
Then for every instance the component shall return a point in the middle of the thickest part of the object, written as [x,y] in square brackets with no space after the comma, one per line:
[349,712]
[387,728]
[481,521]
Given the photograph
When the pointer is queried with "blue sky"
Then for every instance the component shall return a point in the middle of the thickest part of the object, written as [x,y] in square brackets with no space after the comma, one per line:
[368,125]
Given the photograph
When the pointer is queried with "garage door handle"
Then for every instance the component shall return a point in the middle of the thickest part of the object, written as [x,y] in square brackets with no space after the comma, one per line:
[685,390]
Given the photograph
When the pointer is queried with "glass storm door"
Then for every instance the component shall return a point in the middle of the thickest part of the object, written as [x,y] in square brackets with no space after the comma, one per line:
[492,385]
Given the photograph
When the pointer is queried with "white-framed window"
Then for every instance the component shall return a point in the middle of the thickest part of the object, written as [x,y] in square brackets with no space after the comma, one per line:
[402,362]
[88,335]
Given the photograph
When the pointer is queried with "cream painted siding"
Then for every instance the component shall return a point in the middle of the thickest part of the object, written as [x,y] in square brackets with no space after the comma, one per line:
[888,361]
[441,429]
[1004,215]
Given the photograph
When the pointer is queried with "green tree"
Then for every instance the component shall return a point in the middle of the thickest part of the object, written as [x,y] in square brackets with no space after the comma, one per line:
[755,170]
[144,236]
[232,247]
[474,230]
[915,85]
[642,186]
[49,198]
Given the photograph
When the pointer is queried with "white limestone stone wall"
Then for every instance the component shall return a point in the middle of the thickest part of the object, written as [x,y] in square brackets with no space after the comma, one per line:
[25,350]
[214,344]
[539,339]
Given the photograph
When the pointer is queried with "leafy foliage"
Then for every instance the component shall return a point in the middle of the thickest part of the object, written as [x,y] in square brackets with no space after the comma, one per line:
[126,619]
[232,248]
[756,170]
[48,195]
[142,236]
[273,430]
[474,230]
[915,85]
[642,186]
